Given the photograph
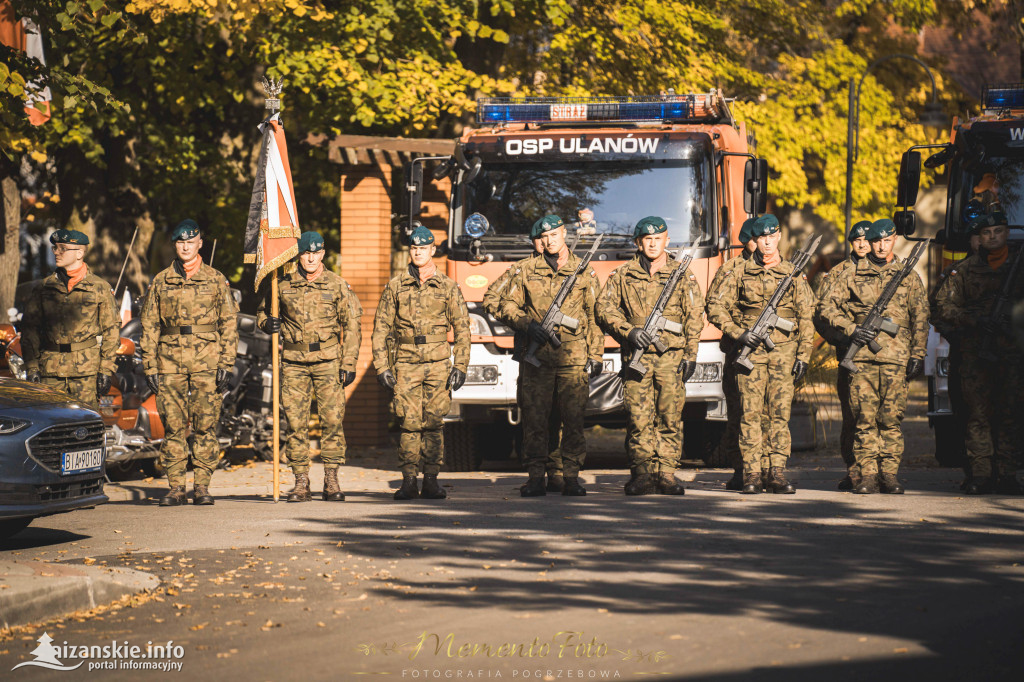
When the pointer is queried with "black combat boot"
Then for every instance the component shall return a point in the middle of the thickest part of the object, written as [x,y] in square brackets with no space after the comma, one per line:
[300,493]
[1007,484]
[764,479]
[668,485]
[641,484]
[751,483]
[432,490]
[409,489]
[175,497]
[201,495]
[846,484]
[332,491]
[573,488]
[978,485]
[868,485]
[736,482]
[555,482]
[534,487]
[889,484]
[777,482]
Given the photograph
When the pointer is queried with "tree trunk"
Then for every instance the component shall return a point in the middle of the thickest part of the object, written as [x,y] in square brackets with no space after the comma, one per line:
[10,259]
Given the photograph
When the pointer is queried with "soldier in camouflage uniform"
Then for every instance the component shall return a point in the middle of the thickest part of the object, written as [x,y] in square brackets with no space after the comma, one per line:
[991,388]
[564,371]
[878,392]
[320,332]
[768,389]
[415,312]
[189,342]
[492,304]
[859,248]
[654,401]
[63,318]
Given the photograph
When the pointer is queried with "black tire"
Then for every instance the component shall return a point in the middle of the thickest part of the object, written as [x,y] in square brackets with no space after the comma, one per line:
[9,527]
[496,440]
[460,451]
[151,467]
[122,471]
[950,441]
[702,439]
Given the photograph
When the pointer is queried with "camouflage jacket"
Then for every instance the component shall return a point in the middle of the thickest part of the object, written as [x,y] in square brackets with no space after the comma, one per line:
[629,297]
[53,315]
[173,301]
[324,310]
[737,297]
[532,288]
[830,335]
[966,297]
[496,291]
[409,309]
[850,297]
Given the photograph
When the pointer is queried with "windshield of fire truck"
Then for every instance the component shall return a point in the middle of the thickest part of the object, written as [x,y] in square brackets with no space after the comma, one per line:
[594,198]
[998,180]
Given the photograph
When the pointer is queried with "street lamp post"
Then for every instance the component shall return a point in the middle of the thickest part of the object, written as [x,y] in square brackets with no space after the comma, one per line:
[932,114]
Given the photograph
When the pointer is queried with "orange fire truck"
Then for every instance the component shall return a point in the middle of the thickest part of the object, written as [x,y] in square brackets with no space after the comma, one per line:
[601,164]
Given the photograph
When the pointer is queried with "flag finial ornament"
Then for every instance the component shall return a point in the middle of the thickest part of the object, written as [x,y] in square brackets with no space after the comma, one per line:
[273,90]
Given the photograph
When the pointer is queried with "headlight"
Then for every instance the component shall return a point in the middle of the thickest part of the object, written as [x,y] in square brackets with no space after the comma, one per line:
[707,372]
[9,425]
[482,374]
[478,326]
[476,226]
[942,366]
[17,365]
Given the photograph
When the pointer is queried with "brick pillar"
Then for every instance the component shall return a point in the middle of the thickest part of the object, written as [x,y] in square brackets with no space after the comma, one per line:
[366,266]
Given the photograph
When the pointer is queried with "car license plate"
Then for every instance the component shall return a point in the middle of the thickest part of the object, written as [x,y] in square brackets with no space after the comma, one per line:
[81,461]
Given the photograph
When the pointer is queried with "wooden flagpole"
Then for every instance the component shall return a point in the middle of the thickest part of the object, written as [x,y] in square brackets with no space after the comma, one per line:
[274,310]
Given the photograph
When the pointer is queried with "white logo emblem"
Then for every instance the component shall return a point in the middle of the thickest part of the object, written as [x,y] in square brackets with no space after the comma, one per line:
[46,656]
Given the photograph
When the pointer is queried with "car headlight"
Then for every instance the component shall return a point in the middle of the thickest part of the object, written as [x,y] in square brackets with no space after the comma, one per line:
[942,366]
[17,365]
[482,374]
[9,425]
[478,326]
[707,372]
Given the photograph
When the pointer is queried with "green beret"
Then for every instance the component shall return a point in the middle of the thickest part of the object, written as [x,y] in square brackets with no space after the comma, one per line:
[311,241]
[186,229]
[987,220]
[859,230]
[69,237]
[745,231]
[652,224]
[764,225]
[880,229]
[545,224]
[421,236]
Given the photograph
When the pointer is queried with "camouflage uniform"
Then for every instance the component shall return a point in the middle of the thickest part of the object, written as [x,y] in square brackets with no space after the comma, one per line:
[991,390]
[767,391]
[878,392]
[187,360]
[416,317]
[313,315]
[59,338]
[731,439]
[562,374]
[654,436]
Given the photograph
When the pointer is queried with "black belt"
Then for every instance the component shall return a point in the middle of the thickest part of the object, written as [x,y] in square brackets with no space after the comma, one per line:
[312,347]
[187,329]
[69,347]
[422,339]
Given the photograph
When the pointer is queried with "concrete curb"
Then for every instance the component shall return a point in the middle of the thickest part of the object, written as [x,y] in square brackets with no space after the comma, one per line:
[32,591]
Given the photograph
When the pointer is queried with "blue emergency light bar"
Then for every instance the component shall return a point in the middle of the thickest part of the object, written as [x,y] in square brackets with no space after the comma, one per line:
[1008,96]
[493,110]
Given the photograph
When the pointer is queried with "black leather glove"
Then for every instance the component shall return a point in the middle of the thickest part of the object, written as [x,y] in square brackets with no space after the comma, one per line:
[914,368]
[34,376]
[272,325]
[640,338]
[456,378]
[750,339]
[223,380]
[153,381]
[799,370]
[347,378]
[686,369]
[103,383]
[593,367]
[387,379]
[862,336]
[536,333]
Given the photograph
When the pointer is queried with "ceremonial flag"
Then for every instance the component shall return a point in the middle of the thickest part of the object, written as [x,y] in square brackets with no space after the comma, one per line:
[22,34]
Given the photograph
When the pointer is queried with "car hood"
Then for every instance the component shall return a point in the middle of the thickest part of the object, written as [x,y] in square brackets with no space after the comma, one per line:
[15,393]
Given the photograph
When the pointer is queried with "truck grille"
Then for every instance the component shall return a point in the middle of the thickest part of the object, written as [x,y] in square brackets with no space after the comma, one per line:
[46,446]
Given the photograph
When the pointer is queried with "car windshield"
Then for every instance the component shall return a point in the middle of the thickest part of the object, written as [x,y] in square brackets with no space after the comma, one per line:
[594,197]
[998,180]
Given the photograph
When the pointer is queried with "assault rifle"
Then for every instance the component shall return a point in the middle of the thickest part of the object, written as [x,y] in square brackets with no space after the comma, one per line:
[1000,312]
[874,321]
[657,321]
[554,316]
[769,320]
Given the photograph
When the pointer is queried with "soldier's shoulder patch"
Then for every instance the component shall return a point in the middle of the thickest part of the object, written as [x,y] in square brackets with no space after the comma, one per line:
[614,272]
[593,274]
[692,276]
[952,272]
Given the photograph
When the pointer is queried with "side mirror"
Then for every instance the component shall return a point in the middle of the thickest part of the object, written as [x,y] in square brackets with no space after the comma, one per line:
[127,347]
[475,164]
[755,186]
[414,188]
[941,158]
[906,222]
[909,179]
[442,249]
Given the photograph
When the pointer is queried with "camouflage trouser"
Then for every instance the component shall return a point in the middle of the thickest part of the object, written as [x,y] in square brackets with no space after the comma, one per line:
[734,408]
[542,386]
[184,400]
[553,465]
[878,399]
[991,393]
[848,427]
[421,403]
[82,389]
[300,382]
[654,403]
[766,399]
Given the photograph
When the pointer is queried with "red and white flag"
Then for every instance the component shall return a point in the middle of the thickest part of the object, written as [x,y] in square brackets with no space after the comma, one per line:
[22,34]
